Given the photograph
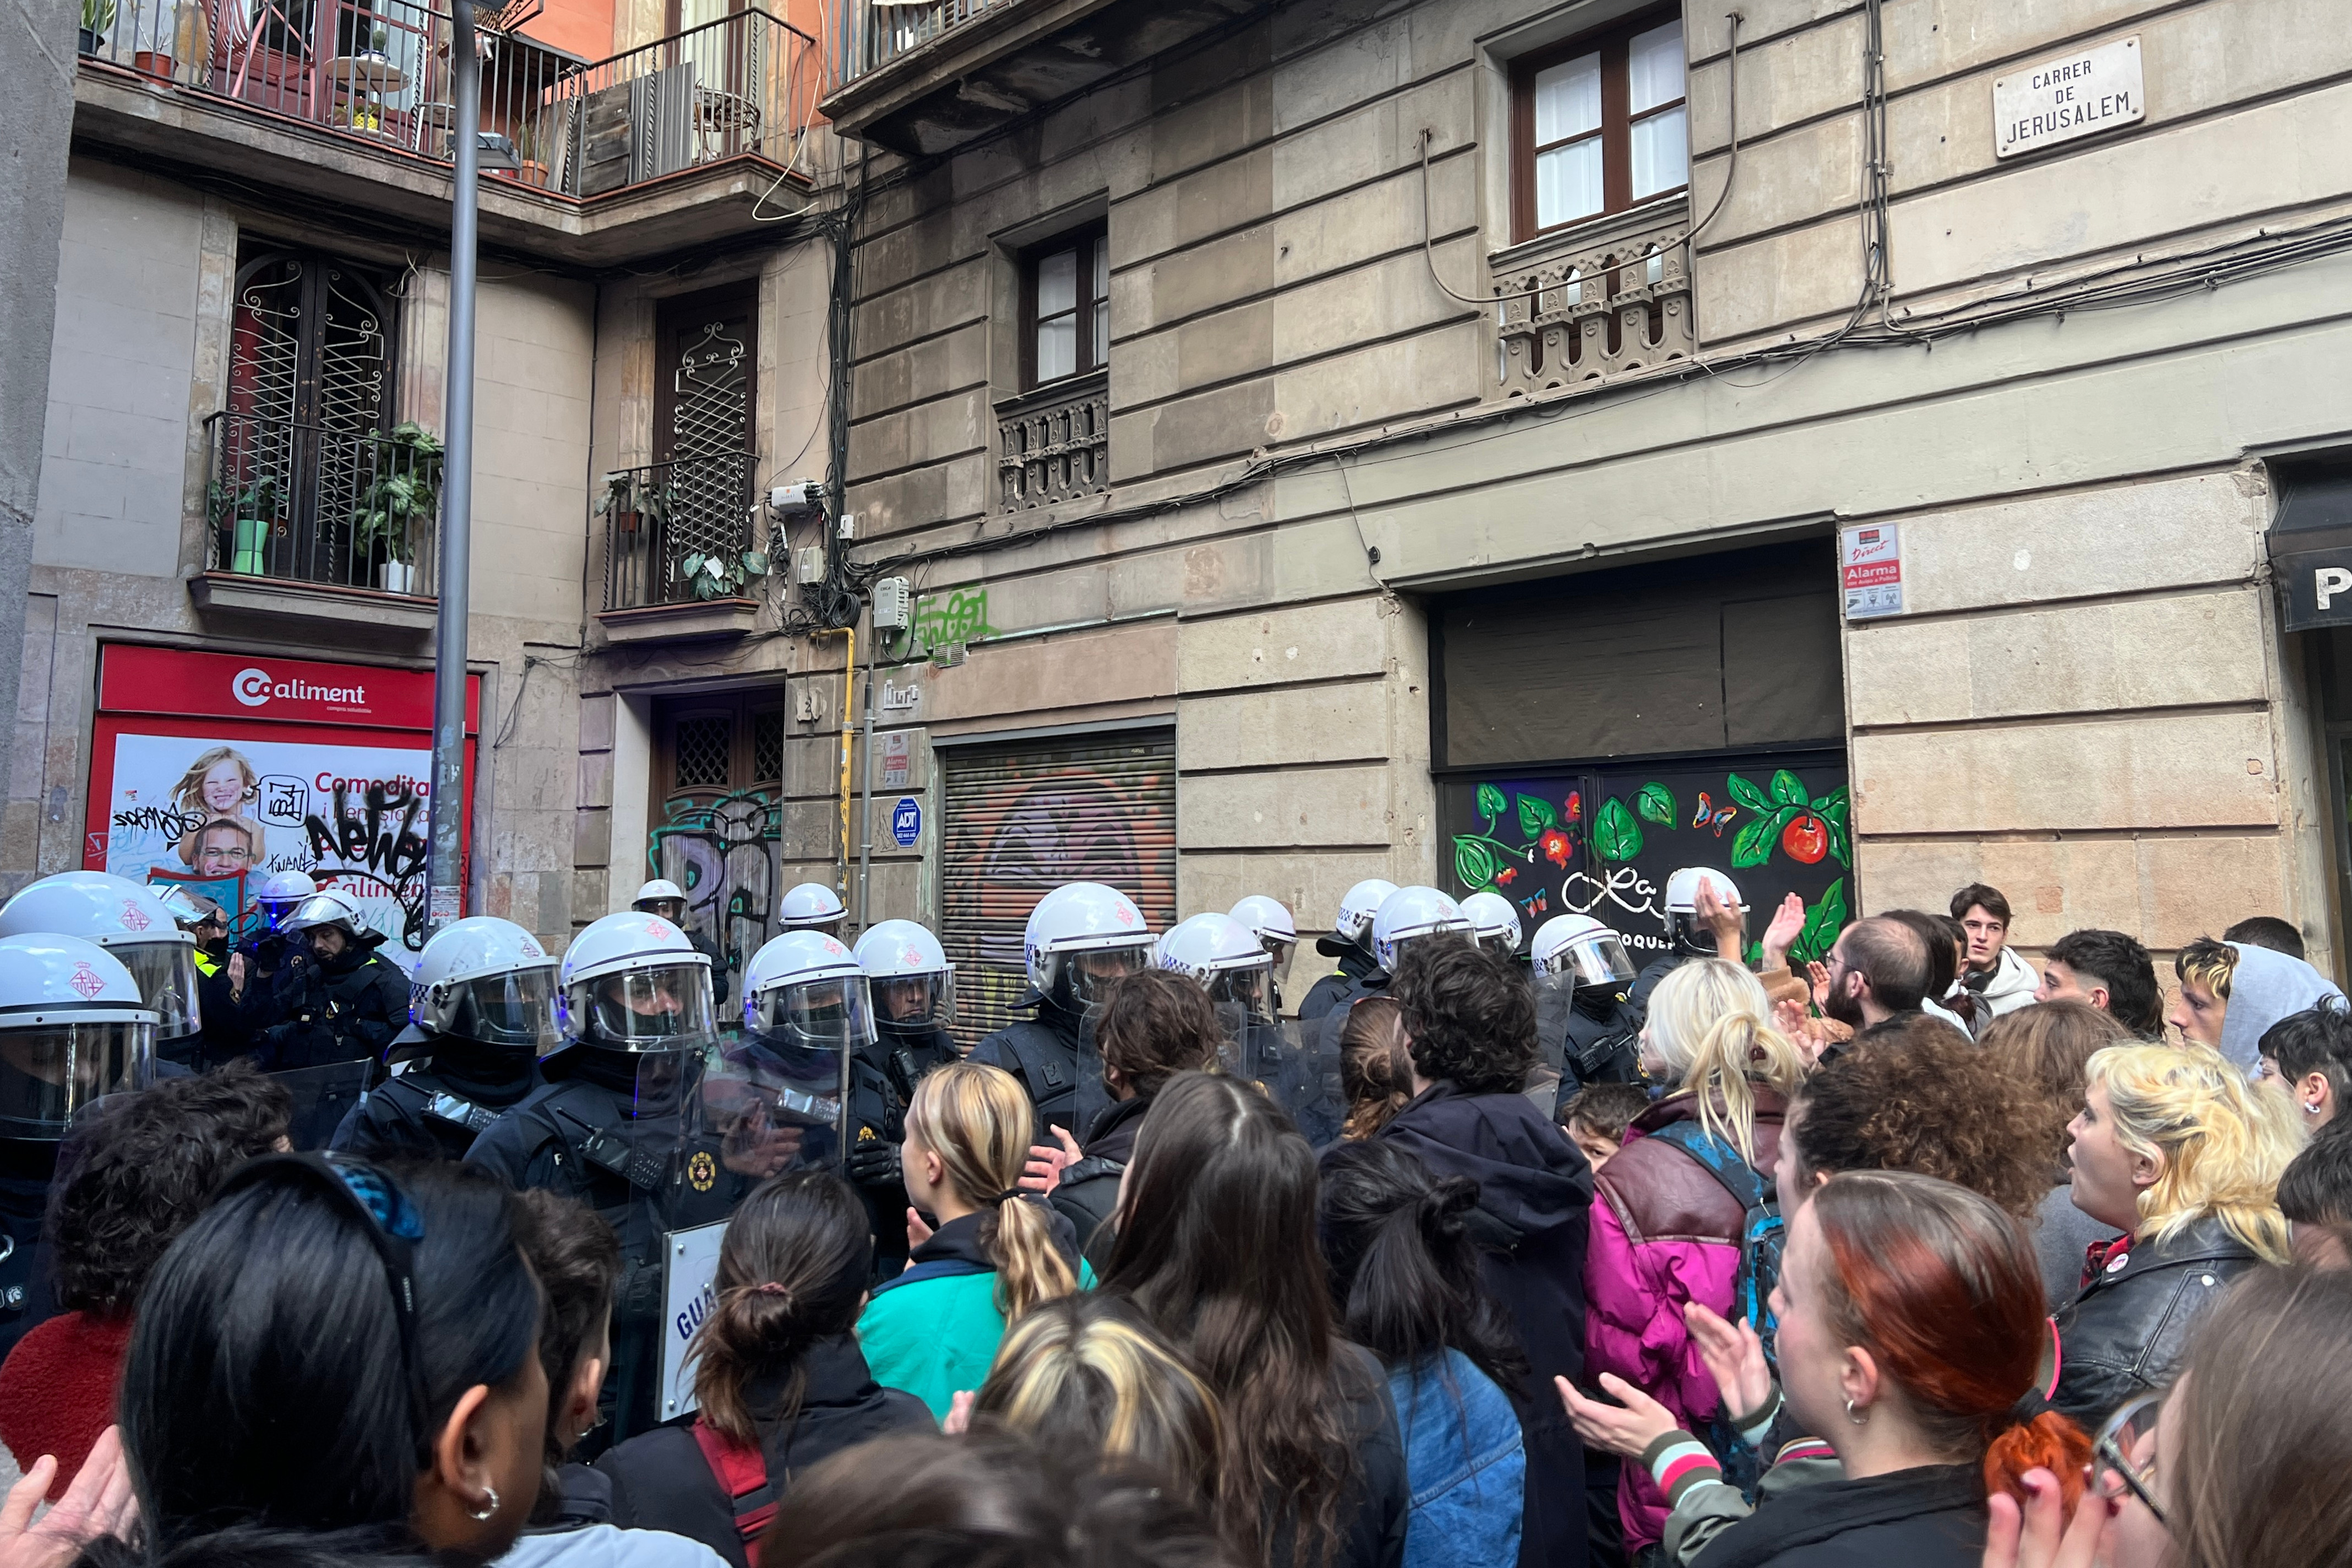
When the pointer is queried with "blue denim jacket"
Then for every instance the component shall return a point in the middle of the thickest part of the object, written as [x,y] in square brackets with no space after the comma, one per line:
[1465,1463]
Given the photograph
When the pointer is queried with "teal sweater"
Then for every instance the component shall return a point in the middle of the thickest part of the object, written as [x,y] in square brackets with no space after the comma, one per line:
[934,1329]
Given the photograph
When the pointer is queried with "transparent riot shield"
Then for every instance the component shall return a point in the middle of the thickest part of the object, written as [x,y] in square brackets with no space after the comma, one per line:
[1092,1096]
[322,1096]
[1298,1066]
[774,1103]
[1555,997]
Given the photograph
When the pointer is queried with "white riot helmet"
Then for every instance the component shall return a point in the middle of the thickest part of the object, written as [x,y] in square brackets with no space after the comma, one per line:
[486,980]
[1683,930]
[634,983]
[1231,964]
[655,894]
[1353,924]
[73,1029]
[1409,914]
[908,973]
[128,920]
[1081,938]
[1496,920]
[812,906]
[1276,932]
[1575,952]
[803,990]
[282,895]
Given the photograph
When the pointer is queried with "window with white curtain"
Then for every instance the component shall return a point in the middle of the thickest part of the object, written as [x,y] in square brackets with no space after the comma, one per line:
[1599,125]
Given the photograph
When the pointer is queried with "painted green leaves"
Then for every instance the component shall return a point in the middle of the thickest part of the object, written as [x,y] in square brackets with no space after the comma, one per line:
[1490,803]
[1616,836]
[1473,862]
[1536,814]
[1804,829]
[1822,923]
[1655,802]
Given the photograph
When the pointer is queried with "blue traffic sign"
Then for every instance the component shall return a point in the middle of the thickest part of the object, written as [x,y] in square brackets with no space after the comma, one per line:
[907,821]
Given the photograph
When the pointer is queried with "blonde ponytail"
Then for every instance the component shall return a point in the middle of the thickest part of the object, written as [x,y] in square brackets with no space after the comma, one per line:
[976,1118]
[1711,1024]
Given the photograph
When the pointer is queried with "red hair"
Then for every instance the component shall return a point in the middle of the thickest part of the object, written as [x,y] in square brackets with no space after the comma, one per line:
[1945,1290]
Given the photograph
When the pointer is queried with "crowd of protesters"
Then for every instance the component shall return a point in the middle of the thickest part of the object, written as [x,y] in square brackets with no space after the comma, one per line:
[1922,1255]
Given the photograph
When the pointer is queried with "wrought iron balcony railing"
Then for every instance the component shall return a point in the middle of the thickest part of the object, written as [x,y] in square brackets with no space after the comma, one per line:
[894,29]
[301,503]
[678,531]
[380,72]
[1584,311]
[1054,445]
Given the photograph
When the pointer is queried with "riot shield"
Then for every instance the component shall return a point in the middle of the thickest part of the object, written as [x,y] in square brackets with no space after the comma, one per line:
[1298,1066]
[773,1105]
[322,1096]
[1555,998]
[1092,1097]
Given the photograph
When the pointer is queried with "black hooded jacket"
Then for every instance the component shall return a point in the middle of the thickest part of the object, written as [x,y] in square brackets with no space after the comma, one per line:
[1930,1517]
[335,1009]
[1534,1213]
[1056,1062]
[439,1102]
[1088,1191]
[1343,984]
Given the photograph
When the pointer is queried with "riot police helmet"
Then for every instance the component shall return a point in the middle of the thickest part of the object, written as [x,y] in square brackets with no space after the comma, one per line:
[661,897]
[1411,915]
[1081,938]
[73,1029]
[1276,931]
[1683,928]
[489,981]
[913,984]
[1577,953]
[1230,963]
[1495,919]
[812,906]
[329,908]
[281,894]
[634,983]
[1352,926]
[129,922]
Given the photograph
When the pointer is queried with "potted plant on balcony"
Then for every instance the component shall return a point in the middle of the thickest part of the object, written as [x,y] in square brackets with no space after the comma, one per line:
[633,502]
[251,516]
[721,574]
[406,491]
[97,21]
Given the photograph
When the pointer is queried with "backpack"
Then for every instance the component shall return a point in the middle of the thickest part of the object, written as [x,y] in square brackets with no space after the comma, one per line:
[1763,1236]
[743,1472]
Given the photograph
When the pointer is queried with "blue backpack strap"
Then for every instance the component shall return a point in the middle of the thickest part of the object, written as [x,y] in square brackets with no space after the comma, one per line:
[1720,1160]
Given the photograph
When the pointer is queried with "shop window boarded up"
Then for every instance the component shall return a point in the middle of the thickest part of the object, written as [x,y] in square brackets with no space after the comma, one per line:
[1701,654]
[1020,821]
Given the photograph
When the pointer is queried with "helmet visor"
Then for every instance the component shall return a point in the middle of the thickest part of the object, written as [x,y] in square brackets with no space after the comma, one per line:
[1499,941]
[834,1014]
[1243,997]
[1597,958]
[914,1001]
[663,1008]
[1085,978]
[166,976]
[516,1010]
[50,1073]
[1277,949]
[275,913]
[1405,944]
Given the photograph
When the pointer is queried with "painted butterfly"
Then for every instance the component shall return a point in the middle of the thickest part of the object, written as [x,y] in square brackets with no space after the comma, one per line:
[1710,815]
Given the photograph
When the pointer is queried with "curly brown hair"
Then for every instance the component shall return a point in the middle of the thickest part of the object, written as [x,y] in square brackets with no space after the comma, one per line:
[1915,1094]
[1154,1025]
[2045,1046]
[1470,1014]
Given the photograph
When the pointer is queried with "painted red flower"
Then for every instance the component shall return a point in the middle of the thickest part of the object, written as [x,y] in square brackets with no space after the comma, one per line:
[1504,876]
[1555,847]
[1575,804]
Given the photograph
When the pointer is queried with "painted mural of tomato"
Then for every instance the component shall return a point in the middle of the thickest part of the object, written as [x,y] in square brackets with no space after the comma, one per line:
[1806,838]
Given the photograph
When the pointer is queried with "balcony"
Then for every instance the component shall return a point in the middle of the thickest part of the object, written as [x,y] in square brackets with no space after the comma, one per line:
[929,77]
[1052,444]
[681,554]
[1599,301]
[353,103]
[308,523]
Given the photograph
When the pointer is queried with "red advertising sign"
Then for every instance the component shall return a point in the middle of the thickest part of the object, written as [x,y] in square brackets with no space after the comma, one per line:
[214,771]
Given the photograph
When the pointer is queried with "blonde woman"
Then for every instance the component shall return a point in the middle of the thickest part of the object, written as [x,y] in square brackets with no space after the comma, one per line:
[1090,1377]
[220,783]
[993,1255]
[2176,1149]
[1671,1206]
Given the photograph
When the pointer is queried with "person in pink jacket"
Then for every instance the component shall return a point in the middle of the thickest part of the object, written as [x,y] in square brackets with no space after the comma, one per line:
[1665,1226]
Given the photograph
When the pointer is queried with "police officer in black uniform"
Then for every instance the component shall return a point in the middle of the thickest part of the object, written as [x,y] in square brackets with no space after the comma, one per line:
[268,951]
[338,1011]
[1584,1017]
[913,988]
[1350,942]
[483,1006]
[1081,938]
[621,1125]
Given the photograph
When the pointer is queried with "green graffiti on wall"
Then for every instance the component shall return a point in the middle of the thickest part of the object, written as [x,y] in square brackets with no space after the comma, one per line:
[945,621]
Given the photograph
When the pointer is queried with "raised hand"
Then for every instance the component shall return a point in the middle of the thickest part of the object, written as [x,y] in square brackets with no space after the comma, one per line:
[1627,1428]
[1043,1172]
[100,1502]
[1788,920]
[1735,1355]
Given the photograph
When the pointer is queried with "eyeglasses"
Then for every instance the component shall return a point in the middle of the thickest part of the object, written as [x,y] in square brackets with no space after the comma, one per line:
[394,1229]
[2130,1433]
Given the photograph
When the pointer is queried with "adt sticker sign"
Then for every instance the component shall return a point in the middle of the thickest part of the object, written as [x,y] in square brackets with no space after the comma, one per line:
[689,1267]
[1871,559]
[907,821]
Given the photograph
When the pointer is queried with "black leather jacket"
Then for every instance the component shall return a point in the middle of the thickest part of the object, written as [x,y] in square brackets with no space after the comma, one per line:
[2128,1330]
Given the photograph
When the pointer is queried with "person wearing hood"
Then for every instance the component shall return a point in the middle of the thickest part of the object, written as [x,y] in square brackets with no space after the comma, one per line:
[2231,991]
[484,1013]
[1079,940]
[1470,1022]
[1994,974]
[345,1005]
[1350,942]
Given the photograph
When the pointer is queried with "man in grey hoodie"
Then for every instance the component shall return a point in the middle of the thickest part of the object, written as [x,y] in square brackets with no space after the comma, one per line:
[2232,991]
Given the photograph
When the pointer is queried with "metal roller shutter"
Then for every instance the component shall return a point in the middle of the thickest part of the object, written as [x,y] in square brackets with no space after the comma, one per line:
[1019,821]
